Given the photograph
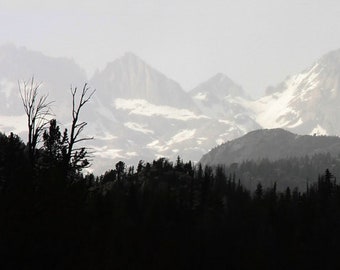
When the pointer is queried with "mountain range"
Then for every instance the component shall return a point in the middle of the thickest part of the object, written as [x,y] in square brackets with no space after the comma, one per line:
[137,113]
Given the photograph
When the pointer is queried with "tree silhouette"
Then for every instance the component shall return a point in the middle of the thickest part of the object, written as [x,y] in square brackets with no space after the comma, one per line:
[54,145]
[78,157]
[37,109]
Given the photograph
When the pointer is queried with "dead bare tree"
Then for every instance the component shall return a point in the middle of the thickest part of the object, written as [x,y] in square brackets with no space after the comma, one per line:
[77,157]
[37,109]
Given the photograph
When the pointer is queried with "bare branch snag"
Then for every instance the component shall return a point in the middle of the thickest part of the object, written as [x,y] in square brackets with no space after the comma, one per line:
[37,109]
[78,157]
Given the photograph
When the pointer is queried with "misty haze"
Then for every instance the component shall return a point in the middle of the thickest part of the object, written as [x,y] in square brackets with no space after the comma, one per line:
[196,135]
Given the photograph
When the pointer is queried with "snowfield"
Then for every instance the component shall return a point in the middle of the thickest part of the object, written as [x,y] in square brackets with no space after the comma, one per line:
[143,107]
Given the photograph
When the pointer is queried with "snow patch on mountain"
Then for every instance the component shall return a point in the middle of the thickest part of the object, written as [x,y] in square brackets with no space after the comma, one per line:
[138,127]
[227,122]
[277,109]
[306,103]
[270,108]
[178,138]
[143,107]
[106,137]
[107,152]
[200,140]
[200,96]
[132,154]
[318,130]
[157,146]
[181,136]
[138,113]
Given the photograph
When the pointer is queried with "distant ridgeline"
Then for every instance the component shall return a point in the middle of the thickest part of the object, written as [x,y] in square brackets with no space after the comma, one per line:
[140,113]
[292,172]
[277,156]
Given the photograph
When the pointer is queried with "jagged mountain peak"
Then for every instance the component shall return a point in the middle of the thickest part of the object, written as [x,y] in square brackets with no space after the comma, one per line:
[21,53]
[332,57]
[55,74]
[307,102]
[131,62]
[9,50]
[20,63]
[220,77]
[221,86]
[130,77]
[220,98]
[326,67]
[150,114]
[131,56]
[130,59]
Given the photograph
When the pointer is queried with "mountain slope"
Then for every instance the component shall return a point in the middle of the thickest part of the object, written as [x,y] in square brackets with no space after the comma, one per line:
[18,64]
[221,99]
[56,76]
[131,78]
[306,103]
[139,113]
[151,116]
[271,144]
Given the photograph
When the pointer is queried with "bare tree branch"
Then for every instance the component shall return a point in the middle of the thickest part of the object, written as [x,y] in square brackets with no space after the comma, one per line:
[78,157]
[37,109]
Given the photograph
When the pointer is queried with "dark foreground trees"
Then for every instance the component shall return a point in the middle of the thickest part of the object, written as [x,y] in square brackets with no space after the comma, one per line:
[160,216]
[37,110]
[61,150]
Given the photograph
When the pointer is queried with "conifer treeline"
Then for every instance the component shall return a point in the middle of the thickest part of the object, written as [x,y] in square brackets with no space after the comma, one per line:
[293,171]
[158,216]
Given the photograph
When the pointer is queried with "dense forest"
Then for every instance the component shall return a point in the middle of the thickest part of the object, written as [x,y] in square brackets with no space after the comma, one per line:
[290,172]
[159,215]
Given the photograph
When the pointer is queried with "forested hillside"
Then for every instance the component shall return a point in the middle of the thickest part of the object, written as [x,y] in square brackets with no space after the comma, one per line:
[291,172]
[159,215]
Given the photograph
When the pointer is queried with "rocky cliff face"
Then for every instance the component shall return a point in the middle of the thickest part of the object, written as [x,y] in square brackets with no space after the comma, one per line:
[139,113]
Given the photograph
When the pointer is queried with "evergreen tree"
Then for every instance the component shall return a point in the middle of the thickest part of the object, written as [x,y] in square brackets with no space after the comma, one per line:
[55,145]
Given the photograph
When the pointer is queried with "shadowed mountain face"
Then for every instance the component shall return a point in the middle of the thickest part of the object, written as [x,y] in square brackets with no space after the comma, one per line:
[271,144]
[130,78]
[269,156]
[56,75]
[139,113]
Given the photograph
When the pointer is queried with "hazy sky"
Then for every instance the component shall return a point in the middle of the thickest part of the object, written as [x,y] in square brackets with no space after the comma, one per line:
[255,42]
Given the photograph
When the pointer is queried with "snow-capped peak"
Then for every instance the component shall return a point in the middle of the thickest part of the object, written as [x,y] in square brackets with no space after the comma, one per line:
[306,101]
[219,87]
[140,113]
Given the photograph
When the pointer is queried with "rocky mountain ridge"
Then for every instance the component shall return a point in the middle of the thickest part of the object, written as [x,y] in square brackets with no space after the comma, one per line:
[305,103]
[139,113]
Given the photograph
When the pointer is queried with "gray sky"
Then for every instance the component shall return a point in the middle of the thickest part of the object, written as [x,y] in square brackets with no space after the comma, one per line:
[256,43]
